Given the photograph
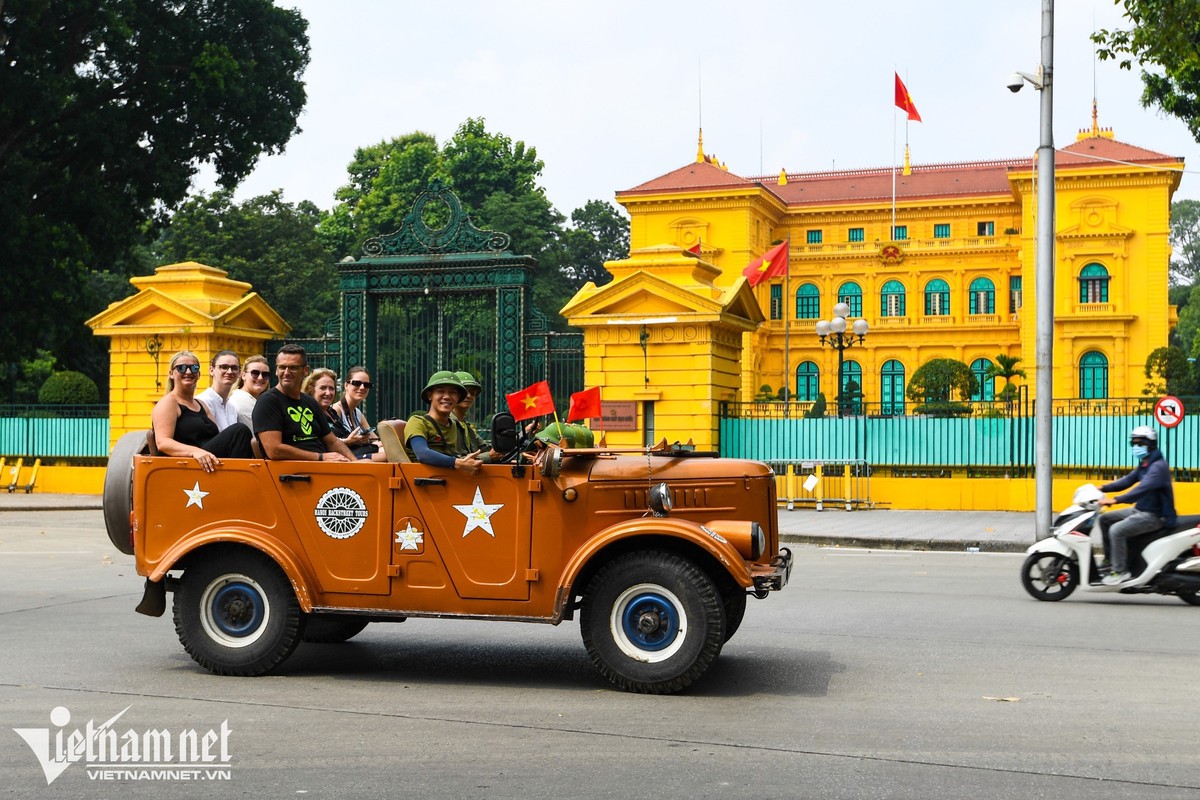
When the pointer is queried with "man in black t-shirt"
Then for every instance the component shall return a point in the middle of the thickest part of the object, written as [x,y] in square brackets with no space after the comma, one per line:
[289,424]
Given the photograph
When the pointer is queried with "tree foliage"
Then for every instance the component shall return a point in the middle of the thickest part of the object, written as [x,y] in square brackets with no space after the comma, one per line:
[271,244]
[107,110]
[496,180]
[1168,371]
[1185,242]
[1164,41]
[937,380]
[1005,366]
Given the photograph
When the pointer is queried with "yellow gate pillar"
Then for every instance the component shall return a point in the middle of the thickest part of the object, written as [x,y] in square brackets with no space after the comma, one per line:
[186,306]
[664,341]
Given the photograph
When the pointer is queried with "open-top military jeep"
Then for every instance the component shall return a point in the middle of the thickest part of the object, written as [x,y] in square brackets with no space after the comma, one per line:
[656,549]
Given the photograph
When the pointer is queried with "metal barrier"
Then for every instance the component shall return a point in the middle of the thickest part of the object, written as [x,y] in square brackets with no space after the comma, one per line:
[819,482]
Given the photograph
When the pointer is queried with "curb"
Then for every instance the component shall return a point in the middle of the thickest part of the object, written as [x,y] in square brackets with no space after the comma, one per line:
[941,545]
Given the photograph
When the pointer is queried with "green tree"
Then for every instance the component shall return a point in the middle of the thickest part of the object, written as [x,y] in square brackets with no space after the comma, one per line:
[1188,327]
[939,379]
[271,244]
[1185,242]
[1167,371]
[1005,366]
[1164,41]
[599,233]
[107,110]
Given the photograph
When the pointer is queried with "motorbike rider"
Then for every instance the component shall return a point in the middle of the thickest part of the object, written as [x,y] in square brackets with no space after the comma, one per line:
[1153,500]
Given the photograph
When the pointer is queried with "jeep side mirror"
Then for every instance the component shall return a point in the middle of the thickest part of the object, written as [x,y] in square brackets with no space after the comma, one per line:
[504,433]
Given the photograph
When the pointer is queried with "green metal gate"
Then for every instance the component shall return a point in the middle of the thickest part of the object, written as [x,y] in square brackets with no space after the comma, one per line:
[453,296]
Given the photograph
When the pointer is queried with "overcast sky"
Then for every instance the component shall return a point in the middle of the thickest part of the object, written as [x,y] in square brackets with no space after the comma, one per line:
[611,94]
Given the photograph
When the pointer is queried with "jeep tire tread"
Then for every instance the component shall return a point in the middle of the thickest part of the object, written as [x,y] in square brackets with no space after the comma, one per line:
[236,613]
[652,622]
[118,489]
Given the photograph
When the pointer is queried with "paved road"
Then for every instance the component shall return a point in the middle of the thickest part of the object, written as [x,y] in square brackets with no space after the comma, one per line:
[894,674]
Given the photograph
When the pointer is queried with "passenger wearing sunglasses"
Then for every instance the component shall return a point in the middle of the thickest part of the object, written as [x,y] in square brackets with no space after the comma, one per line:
[290,425]
[224,374]
[256,379]
[360,436]
[183,426]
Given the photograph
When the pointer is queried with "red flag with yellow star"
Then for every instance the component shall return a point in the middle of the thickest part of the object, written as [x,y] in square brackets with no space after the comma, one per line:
[904,101]
[773,264]
[532,401]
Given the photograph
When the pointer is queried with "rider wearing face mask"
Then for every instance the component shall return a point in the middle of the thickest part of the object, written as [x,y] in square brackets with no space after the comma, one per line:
[1153,501]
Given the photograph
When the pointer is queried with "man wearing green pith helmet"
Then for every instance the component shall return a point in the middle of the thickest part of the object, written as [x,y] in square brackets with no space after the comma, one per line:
[432,437]
[469,440]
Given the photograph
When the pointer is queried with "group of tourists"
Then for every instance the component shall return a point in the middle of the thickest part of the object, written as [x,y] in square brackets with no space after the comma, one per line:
[302,417]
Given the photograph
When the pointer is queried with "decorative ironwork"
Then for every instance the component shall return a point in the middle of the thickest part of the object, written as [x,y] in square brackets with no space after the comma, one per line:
[457,235]
[154,346]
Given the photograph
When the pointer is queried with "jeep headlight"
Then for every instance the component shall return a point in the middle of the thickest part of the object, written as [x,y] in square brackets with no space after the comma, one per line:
[660,500]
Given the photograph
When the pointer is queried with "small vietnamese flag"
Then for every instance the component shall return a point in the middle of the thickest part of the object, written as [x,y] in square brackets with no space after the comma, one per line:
[532,401]
[773,263]
[695,249]
[904,100]
[585,404]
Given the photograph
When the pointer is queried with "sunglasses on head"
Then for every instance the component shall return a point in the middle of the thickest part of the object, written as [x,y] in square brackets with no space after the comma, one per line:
[255,373]
[363,384]
[184,369]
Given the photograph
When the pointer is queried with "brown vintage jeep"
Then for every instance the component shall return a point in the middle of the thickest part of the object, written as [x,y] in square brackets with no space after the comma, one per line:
[656,549]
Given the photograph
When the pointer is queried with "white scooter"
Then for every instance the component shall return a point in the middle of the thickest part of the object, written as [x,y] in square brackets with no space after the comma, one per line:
[1162,562]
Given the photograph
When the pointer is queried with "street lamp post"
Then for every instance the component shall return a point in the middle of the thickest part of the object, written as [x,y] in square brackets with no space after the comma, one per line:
[833,333]
[1044,271]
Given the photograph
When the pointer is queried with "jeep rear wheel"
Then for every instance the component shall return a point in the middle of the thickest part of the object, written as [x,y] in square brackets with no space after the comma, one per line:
[236,613]
[652,622]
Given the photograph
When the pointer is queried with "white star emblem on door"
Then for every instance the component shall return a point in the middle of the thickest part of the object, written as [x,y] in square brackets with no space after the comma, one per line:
[195,496]
[479,514]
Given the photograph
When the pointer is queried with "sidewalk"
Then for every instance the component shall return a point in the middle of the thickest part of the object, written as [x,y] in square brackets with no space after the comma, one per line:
[994,531]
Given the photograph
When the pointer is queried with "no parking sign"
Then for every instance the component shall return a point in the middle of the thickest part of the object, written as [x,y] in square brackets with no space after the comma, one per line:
[1168,411]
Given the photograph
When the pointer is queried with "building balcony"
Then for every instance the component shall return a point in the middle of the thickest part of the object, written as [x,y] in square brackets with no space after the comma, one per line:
[964,243]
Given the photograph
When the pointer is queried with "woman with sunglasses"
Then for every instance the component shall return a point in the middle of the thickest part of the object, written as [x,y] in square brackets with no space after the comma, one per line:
[255,379]
[361,437]
[183,426]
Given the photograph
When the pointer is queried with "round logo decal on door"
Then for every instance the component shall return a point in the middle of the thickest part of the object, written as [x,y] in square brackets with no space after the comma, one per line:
[341,513]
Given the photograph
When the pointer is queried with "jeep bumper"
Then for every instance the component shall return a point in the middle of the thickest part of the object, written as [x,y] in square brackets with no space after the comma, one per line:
[775,577]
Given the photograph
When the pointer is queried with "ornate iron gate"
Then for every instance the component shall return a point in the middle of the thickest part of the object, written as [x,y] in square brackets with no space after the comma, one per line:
[427,298]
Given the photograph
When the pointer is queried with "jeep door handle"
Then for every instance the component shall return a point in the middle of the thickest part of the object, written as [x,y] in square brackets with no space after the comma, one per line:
[429,481]
[295,478]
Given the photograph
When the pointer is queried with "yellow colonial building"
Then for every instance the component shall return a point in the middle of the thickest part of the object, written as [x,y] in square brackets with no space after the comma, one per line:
[939,260]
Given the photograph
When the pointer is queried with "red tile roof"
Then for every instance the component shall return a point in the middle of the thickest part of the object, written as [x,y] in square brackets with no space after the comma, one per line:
[977,178]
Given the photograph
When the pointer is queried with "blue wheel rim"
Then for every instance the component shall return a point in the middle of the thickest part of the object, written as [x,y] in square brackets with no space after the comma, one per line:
[646,608]
[237,609]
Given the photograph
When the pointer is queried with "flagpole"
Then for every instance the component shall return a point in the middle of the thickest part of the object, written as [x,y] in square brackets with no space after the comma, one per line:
[892,230]
[787,345]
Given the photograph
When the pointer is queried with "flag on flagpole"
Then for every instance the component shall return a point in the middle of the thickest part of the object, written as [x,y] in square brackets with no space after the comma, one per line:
[585,404]
[904,100]
[532,401]
[773,263]
[695,249]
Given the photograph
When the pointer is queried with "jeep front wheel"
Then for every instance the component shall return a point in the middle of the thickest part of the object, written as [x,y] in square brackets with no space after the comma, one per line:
[652,622]
[236,613]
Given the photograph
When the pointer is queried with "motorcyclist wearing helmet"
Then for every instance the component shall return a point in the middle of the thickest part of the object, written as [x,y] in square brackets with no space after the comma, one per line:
[1153,500]
[432,437]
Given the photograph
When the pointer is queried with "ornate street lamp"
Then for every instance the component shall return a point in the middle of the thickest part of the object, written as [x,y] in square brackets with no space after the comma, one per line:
[834,334]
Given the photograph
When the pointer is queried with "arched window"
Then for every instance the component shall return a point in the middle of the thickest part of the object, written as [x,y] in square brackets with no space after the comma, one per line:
[1093,284]
[1093,376]
[808,382]
[851,295]
[891,387]
[808,302]
[892,299]
[987,383]
[937,298]
[852,391]
[983,296]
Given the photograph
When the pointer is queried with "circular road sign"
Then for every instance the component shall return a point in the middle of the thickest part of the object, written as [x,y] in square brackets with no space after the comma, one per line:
[1168,411]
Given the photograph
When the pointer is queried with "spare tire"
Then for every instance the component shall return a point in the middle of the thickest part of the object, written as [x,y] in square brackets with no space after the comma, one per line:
[118,489]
